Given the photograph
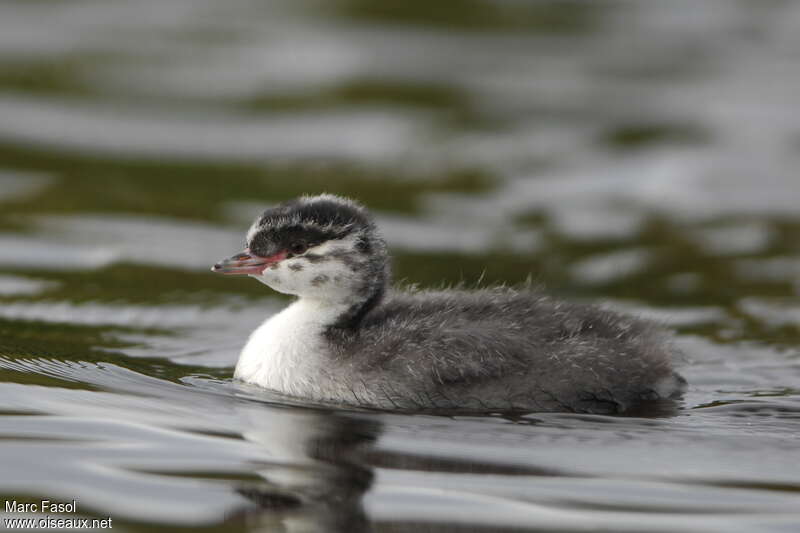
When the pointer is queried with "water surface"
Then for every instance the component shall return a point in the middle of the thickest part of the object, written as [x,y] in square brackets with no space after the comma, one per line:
[640,154]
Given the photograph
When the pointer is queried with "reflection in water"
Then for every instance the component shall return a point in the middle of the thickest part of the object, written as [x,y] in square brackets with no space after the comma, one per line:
[319,476]
[200,451]
[322,463]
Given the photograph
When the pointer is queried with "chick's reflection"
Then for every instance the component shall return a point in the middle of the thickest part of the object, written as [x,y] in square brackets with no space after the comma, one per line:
[315,479]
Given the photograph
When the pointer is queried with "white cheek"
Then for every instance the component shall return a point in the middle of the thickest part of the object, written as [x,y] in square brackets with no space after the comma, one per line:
[276,279]
[326,279]
[332,278]
[283,279]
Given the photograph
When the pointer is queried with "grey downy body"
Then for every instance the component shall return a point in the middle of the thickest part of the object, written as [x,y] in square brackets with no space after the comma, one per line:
[349,338]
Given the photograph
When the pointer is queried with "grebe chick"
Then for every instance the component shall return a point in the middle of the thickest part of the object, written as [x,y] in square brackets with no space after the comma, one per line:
[348,338]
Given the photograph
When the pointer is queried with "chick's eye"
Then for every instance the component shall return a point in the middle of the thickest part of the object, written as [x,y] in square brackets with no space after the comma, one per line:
[298,247]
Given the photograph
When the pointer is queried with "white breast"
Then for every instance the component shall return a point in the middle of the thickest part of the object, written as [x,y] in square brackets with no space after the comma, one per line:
[287,353]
